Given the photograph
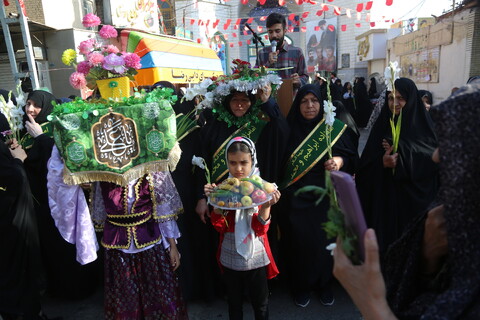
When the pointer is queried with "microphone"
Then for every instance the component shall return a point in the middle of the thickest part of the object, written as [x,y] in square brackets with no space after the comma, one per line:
[255,36]
[274,45]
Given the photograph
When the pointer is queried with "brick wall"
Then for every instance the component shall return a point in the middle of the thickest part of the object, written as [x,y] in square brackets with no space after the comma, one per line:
[34,9]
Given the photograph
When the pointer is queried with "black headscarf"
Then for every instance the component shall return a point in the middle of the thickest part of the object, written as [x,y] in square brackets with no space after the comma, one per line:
[362,102]
[43,99]
[408,190]
[372,91]
[457,291]
[299,126]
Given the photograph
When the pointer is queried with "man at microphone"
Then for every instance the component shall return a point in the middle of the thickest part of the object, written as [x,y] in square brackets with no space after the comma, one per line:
[282,55]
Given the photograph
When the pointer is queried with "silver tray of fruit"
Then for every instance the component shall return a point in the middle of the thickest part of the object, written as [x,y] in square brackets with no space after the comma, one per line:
[243,193]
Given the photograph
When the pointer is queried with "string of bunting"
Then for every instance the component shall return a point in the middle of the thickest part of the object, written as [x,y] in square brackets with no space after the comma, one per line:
[294,18]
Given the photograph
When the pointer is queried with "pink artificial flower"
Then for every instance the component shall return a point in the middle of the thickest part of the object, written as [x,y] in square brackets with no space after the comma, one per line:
[86,46]
[90,20]
[114,63]
[95,58]
[111,49]
[78,81]
[107,32]
[84,67]
[132,60]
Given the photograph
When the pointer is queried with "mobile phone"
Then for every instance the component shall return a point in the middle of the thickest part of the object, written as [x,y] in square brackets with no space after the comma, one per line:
[350,205]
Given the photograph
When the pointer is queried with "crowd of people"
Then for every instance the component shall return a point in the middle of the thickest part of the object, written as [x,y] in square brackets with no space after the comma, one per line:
[421,257]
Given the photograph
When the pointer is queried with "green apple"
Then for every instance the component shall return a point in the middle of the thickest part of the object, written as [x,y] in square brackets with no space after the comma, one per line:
[246,201]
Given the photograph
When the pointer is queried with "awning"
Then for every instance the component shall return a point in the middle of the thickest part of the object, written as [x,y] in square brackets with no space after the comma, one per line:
[171,59]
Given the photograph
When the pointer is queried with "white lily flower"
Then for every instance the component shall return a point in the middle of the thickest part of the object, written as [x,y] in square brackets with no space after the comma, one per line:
[391,73]
[329,110]
[205,83]
[331,247]
[199,162]
[190,94]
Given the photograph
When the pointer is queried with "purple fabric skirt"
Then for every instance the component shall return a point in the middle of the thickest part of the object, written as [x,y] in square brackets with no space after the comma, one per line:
[142,286]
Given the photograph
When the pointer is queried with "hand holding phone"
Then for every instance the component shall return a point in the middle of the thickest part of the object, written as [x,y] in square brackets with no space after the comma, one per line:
[350,205]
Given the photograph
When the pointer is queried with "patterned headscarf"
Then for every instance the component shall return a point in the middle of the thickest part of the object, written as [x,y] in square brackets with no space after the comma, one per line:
[244,234]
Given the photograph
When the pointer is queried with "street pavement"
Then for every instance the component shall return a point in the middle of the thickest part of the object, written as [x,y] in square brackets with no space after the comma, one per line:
[281,303]
[281,307]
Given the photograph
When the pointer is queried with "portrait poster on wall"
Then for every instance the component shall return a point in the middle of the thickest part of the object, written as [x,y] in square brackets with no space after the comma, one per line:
[321,51]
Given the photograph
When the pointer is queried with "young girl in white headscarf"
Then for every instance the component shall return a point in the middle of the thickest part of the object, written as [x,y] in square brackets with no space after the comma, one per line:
[244,253]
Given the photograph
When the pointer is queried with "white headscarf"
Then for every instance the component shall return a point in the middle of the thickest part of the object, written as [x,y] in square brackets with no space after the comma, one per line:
[244,233]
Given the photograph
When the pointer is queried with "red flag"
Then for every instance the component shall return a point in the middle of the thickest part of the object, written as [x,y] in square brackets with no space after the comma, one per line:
[266,37]
[281,3]
[215,24]
[259,28]
[305,14]
[192,21]
[389,2]
[369,5]
[263,18]
[5,3]
[358,25]
[262,2]
[324,7]
[331,27]
[249,42]
[234,34]
[330,0]
[344,27]
[249,21]
[372,24]
[299,2]
[304,29]
[319,12]
[227,24]
[240,43]
[359,7]
[244,1]
[199,40]
[337,10]
[231,45]
[245,32]
[291,17]
[317,28]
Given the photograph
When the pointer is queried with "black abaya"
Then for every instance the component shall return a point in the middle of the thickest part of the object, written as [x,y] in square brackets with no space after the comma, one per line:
[20,262]
[391,199]
[310,264]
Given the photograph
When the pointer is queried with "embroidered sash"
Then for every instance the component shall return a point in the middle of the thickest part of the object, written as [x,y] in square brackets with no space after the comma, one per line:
[27,140]
[310,151]
[219,163]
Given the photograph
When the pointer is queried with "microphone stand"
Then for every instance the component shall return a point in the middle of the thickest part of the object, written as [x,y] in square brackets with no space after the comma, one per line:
[256,39]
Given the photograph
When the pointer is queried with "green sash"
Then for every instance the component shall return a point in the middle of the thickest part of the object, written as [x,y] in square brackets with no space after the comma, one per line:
[310,151]
[248,130]
[27,140]
[185,126]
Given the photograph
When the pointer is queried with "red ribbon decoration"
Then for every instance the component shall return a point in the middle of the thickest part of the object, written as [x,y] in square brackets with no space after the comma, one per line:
[317,28]
[192,21]
[227,24]
[291,17]
[249,42]
[215,24]
[337,11]
[249,21]
[262,2]
[358,25]
[231,45]
[234,34]
[299,2]
[240,43]
[244,1]
[304,29]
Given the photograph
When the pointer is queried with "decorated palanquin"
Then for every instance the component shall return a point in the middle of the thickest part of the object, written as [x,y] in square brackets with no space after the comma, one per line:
[117,142]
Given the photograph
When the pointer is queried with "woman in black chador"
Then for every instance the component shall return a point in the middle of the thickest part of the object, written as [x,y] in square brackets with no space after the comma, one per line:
[20,265]
[310,264]
[394,188]
[65,276]
[362,102]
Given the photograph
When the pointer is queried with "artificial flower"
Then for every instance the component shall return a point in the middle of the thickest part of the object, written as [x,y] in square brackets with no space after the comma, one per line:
[111,49]
[14,115]
[69,56]
[77,80]
[90,20]
[86,46]
[132,60]
[84,67]
[95,58]
[391,73]
[331,247]
[114,63]
[107,32]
